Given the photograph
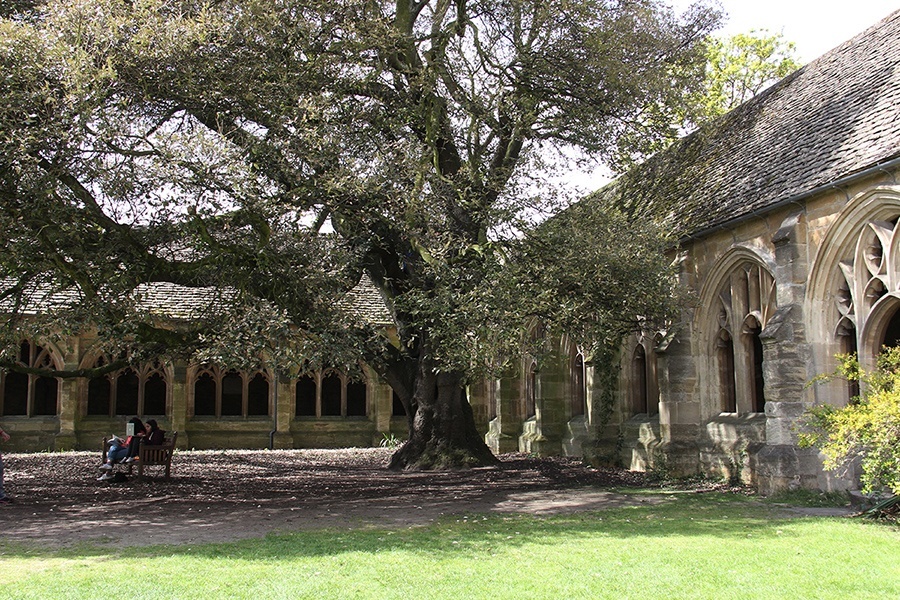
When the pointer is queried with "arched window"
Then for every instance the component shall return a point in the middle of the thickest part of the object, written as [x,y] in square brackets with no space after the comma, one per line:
[99,395]
[754,351]
[258,396]
[331,395]
[578,390]
[127,386]
[891,337]
[746,302]
[129,391]
[725,360]
[155,390]
[30,395]
[305,392]
[206,390]
[865,288]
[335,396]
[639,388]
[531,383]
[847,341]
[397,409]
[232,400]
[356,399]
[231,393]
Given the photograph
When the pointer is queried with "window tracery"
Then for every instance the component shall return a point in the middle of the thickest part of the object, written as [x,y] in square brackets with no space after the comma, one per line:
[332,394]
[867,276]
[30,395]
[130,391]
[746,303]
[230,393]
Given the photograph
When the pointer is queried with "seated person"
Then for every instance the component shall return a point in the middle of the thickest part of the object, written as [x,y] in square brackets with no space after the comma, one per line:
[119,450]
[154,436]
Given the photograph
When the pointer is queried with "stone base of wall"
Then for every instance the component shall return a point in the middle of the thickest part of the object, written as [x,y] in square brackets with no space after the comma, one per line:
[727,444]
[532,441]
[499,442]
[785,467]
[577,433]
[65,441]
[604,450]
[35,434]
[641,438]
[676,458]
[340,433]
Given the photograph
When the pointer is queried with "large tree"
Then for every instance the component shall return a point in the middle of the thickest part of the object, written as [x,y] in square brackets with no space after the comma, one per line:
[277,150]
[738,67]
[741,66]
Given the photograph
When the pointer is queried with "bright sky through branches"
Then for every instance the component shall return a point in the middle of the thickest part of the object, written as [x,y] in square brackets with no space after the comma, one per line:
[815,26]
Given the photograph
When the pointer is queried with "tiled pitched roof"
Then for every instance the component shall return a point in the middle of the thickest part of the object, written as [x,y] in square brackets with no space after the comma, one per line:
[183,303]
[366,302]
[35,298]
[837,116]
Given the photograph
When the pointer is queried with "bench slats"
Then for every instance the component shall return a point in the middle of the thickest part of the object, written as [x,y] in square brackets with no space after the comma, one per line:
[149,455]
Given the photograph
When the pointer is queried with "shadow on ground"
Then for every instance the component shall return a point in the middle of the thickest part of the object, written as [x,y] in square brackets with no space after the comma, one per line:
[230,495]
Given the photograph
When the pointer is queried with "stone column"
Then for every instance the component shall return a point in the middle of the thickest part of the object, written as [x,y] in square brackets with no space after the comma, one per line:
[481,396]
[69,397]
[504,429]
[551,407]
[381,408]
[602,448]
[284,413]
[68,414]
[179,406]
[680,417]
[781,464]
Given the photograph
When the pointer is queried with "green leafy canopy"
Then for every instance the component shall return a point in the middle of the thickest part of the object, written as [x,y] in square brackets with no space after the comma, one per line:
[282,149]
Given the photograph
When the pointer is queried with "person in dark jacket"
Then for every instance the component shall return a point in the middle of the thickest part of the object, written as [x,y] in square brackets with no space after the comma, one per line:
[154,436]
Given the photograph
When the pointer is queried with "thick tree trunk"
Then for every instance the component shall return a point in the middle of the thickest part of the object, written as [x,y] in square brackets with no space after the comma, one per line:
[443,433]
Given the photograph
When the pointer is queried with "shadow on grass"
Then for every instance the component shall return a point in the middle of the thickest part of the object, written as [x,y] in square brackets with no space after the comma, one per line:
[681,514]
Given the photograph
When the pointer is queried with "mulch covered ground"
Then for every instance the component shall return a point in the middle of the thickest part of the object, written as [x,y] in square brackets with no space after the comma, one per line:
[222,495]
[235,494]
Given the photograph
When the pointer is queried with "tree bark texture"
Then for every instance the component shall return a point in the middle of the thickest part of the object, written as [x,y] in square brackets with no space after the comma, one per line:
[443,433]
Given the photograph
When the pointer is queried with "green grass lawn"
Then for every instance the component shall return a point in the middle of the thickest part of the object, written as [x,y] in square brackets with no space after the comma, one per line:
[690,546]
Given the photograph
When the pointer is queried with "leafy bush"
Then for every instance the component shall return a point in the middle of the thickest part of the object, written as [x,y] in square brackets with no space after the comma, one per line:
[868,429]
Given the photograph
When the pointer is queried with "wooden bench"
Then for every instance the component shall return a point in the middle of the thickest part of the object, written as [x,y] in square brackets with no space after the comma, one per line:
[148,455]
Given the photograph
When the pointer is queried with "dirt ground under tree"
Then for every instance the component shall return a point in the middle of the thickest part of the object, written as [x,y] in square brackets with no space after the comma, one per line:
[229,495]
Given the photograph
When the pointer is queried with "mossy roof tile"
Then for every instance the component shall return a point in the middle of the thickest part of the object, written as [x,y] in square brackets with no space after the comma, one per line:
[834,117]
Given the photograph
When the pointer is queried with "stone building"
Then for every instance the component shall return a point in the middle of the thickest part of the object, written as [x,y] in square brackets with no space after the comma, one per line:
[209,406]
[787,210]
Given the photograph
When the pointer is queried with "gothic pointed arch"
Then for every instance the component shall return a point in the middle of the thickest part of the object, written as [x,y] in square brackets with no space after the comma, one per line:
[639,401]
[578,394]
[220,392]
[854,284]
[640,371]
[31,395]
[132,390]
[333,393]
[737,301]
[529,404]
